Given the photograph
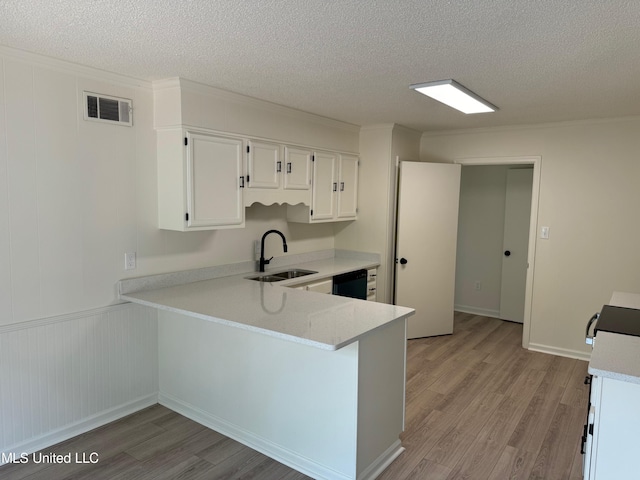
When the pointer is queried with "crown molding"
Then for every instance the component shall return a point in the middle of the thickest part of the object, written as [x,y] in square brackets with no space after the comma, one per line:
[390,127]
[165,83]
[533,126]
[408,130]
[380,126]
[57,64]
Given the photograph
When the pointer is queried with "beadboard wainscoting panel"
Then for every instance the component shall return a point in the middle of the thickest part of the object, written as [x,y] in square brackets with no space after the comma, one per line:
[65,375]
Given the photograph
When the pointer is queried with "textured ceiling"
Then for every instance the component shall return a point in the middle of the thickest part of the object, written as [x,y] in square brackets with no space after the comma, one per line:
[353,60]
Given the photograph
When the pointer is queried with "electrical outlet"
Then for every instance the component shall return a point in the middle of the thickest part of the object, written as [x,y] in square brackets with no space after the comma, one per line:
[478,285]
[130,261]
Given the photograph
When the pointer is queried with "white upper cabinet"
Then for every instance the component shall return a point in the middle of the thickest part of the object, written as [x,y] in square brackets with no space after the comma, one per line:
[200,180]
[264,165]
[334,190]
[323,199]
[297,168]
[277,174]
[348,187]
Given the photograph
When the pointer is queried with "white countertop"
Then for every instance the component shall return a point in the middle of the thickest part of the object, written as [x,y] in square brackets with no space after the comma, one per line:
[614,355]
[324,321]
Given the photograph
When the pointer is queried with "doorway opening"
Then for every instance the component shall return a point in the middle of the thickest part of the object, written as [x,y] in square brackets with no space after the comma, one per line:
[517,292]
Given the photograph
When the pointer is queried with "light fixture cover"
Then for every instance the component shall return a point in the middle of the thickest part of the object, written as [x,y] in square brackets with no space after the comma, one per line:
[453,94]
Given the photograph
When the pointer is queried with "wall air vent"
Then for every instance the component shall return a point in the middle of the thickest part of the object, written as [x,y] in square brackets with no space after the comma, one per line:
[103,108]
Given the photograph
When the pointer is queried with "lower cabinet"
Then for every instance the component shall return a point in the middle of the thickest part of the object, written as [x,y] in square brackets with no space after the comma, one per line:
[320,286]
[612,430]
[372,284]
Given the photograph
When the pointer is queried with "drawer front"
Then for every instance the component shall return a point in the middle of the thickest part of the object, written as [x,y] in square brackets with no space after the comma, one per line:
[372,284]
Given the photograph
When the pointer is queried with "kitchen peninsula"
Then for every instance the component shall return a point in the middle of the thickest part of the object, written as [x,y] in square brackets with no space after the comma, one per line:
[315,381]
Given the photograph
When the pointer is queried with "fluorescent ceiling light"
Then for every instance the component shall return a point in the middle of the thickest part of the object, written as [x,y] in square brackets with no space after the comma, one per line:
[454,95]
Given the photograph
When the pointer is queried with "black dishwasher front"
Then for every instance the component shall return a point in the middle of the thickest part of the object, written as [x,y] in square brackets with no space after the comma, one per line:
[351,284]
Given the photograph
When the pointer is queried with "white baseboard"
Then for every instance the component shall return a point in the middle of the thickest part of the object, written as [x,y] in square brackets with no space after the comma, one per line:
[382,462]
[562,352]
[83,426]
[485,312]
[262,445]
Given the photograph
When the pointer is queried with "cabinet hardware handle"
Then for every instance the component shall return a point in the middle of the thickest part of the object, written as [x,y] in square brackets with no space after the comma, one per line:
[335,186]
[241,182]
[278,166]
[289,167]
[342,186]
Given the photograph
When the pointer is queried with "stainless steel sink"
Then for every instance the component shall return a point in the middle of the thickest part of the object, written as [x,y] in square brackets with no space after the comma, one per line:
[278,277]
[295,273]
[266,278]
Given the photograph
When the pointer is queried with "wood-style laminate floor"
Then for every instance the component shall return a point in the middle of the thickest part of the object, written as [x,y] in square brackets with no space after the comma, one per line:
[478,407]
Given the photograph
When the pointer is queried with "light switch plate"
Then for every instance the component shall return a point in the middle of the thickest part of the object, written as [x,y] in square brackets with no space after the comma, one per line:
[544,233]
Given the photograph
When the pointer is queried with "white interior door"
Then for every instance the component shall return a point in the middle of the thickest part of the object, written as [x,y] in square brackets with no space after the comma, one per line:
[517,217]
[427,229]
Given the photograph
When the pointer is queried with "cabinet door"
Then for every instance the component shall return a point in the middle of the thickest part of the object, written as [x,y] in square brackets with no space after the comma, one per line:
[297,169]
[348,187]
[264,165]
[214,168]
[588,447]
[615,431]
[325,186]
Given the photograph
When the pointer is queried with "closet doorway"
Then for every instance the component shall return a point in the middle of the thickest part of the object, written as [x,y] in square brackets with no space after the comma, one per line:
[496,238]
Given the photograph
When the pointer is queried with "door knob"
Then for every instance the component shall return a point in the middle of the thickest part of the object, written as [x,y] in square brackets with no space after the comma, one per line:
[403,261]
[507,253]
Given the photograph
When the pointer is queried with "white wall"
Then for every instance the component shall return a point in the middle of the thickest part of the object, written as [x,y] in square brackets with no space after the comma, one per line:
[76,195]
[589,198]
[480,238]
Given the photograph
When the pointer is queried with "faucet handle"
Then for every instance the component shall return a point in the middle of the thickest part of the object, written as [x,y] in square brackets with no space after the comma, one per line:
[268,260]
